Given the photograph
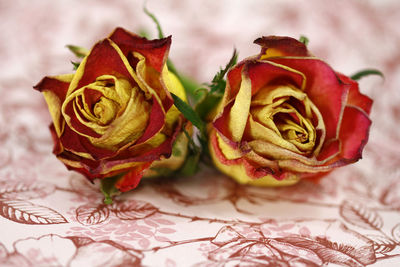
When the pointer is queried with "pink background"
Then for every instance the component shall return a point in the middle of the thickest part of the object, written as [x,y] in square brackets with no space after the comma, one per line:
[52,217]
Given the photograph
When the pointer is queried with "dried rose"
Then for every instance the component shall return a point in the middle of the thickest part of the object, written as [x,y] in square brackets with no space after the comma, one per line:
[115,115]
[287,115]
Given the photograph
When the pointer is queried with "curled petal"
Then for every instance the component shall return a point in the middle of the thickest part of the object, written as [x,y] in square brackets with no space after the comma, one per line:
[243,170]
[81,146]
[156,122]
[104,58]
[354,132]
[277,46]
[131,180]
[323,88]
[54,90]
[240,109]
[155,51]
[355,98]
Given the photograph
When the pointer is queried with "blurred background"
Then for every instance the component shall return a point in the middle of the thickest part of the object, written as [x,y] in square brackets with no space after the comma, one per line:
[349,34]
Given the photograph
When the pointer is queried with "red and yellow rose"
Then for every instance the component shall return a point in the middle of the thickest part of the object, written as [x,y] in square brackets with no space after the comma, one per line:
[287,115]
[115,114]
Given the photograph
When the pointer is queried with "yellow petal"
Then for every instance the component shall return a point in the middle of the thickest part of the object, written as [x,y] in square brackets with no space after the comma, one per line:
[54,104]
[240,110]
[228,151]
[129,126]
[238,173]
[174,86]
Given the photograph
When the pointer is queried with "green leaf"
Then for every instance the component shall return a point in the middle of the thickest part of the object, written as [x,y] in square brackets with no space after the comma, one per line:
[107,187]
[304,40]
[207,100]
[188,112]
[155,20]
[363,73]
[78,51]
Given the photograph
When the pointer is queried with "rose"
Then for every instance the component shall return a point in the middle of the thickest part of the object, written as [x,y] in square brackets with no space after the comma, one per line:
[115,115]
[286,115]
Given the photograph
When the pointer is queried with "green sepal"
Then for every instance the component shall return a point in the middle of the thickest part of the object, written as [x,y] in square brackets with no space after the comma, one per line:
[207,100]
[75,64]
[363,73]
[304,40]
[107,187]
[78,51]
[218,83]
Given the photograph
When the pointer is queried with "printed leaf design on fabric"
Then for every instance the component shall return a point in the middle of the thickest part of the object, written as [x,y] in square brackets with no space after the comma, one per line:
[382,244]
[25,191]
[14,205]
[359,215]
[390,195]
[133,209]
[90,214]
[25,212]
[327,251]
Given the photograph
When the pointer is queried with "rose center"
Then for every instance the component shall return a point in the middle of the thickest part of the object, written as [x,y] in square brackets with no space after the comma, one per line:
[289,113]
[105,110]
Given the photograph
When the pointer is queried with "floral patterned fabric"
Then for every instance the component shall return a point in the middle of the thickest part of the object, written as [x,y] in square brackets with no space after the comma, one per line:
[52,217]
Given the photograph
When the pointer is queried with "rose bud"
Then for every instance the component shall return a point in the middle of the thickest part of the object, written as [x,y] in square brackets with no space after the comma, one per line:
[287,115]
[115,114]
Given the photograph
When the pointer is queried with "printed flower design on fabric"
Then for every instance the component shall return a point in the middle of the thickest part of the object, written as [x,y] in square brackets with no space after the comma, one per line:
[312,243]
[71,251]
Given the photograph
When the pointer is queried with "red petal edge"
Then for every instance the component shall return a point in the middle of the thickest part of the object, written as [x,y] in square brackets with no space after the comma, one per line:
[155,51]
[286,45]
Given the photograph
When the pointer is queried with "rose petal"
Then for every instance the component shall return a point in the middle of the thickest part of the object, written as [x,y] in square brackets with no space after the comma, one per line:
[153,81]
[131,180]
[156,122]
[81,146]
[57,84]
[240,110]
[54,90]
[103,59]
[132,156]
[267,73]
[57,148]
[244,171]
[277,46]
[234,79]
[155,51]
[354,132]
[355,98]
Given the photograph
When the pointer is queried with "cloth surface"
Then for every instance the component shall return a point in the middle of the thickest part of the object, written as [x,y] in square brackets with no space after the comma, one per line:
[52,217]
